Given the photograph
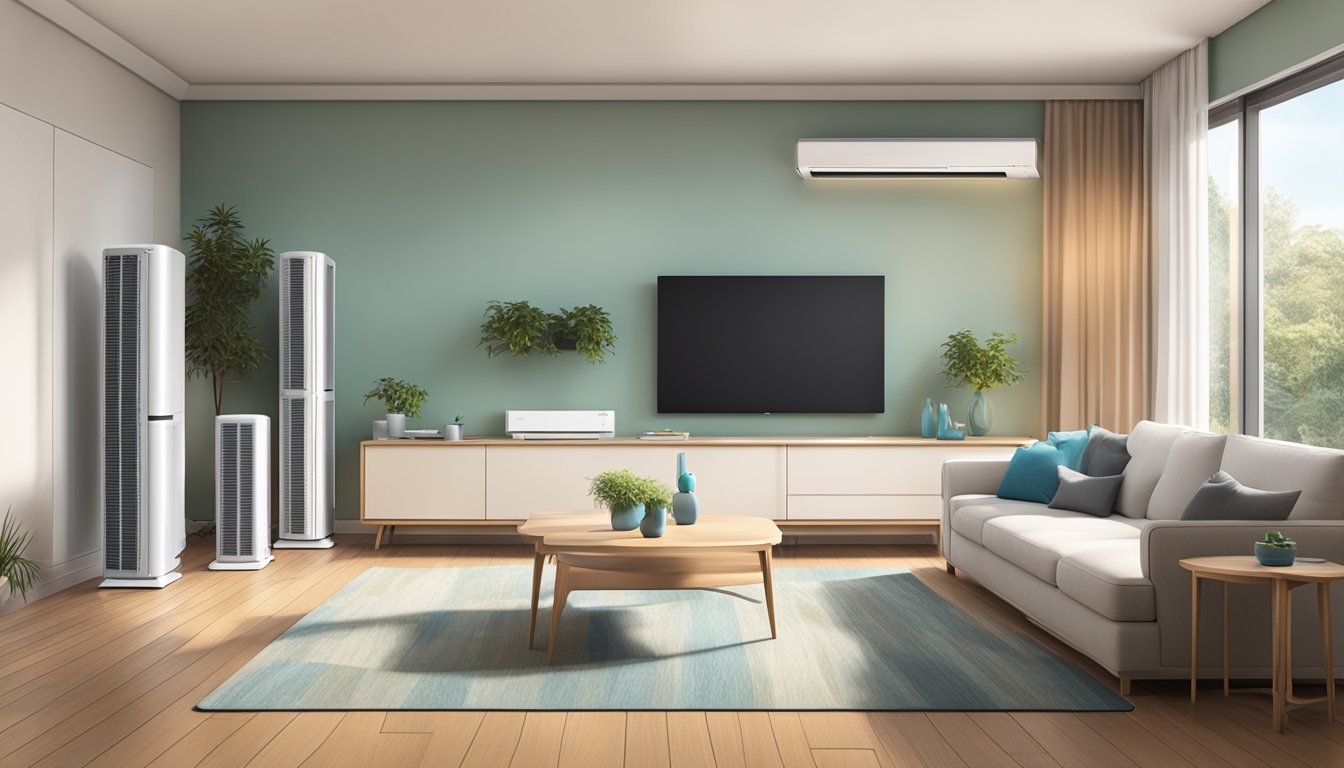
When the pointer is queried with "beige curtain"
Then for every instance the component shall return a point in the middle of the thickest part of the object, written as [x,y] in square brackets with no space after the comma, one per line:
[1096,349]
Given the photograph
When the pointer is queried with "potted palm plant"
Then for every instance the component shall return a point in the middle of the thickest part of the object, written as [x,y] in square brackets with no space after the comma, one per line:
[17,573]
[401,398]
[967,362]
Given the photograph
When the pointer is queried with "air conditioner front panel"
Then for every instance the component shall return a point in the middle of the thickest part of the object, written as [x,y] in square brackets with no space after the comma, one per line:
[165,460]
[242,501]
[296,475]
[123,414]
[917,158]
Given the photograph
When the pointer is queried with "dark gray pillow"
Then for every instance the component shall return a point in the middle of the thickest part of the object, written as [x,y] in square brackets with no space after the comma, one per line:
[1080,493]
[1105,454]
[1221,497]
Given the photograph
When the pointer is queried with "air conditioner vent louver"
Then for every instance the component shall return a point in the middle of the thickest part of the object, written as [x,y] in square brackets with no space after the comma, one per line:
[122,413]
[293,417]
[242,488]
[294,358]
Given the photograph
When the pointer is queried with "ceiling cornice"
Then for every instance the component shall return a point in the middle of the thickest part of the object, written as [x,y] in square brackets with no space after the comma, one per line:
[652,92]
[110,44]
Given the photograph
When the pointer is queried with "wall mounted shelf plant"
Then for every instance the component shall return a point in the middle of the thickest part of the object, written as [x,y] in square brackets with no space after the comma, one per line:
[518,328]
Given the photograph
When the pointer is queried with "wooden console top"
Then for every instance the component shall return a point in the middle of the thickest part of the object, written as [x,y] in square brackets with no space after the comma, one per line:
[800,442]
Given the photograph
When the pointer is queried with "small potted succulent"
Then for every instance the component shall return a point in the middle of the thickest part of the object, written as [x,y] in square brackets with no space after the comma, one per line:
[624,494]
[17,573]
[657,500]
[1275,549]
[401,398]
[453,431]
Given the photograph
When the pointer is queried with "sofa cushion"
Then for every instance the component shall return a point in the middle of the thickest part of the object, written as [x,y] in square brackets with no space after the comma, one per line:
[1035,543]
[1194,456]
[1070,445]
[969,518]
[1091,495]
[1105,453]
[1031,473]
[1273,465]
[1108,578]
[1148,444]
[1223,498]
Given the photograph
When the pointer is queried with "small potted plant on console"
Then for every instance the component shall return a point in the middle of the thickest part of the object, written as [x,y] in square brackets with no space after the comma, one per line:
[1275,549]
[401,398]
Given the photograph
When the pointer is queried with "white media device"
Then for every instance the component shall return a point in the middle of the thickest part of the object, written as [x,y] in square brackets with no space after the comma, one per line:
[307,400]
[143,391]
[560,425]
[242,493]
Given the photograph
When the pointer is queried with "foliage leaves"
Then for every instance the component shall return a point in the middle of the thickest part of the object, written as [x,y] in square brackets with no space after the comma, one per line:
[21,571]
[226,274]
[967,363]
[399,396]
[589,327]
[1277,540]
[519,328]
[623,489]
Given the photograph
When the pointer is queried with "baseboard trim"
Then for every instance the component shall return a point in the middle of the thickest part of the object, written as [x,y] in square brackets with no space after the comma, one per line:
[57,578]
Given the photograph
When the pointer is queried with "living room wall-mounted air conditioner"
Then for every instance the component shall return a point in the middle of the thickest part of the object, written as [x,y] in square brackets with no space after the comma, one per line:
[917,158]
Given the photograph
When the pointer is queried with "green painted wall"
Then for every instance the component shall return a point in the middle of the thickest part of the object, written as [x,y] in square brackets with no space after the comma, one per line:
[431,209]
[1280,35]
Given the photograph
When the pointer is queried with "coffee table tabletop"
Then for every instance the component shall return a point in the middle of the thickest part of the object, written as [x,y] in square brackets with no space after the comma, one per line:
[586,532]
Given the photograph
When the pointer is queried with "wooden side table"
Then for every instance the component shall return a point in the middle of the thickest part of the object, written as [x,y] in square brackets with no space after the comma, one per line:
[1245,569]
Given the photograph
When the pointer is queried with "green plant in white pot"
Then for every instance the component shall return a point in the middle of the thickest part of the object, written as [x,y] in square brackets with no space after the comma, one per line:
[401,398]
[967,362]
[17,573]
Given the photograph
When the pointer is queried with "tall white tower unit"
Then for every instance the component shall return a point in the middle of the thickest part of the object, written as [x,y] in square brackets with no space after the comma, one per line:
[144,450]
[307,400]
[242,493]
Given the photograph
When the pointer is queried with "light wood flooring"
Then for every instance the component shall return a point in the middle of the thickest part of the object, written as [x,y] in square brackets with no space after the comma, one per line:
[110,678]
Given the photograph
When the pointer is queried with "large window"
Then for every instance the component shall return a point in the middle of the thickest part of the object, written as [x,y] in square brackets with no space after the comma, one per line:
[1276,260]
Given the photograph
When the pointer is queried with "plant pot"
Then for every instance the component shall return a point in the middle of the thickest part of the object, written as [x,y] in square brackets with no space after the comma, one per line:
[452,431]
[654,523]
[565,344]
[1275,556]
[982,414]
[627,519]
[396,425]
[685,508]
[380,429]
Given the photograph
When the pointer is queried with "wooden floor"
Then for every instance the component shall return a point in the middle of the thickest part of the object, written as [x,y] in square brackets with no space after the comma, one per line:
[110,678]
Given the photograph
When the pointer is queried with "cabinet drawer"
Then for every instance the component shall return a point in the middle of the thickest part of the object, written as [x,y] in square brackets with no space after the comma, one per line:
[865,507]
[877,470]
[417,482]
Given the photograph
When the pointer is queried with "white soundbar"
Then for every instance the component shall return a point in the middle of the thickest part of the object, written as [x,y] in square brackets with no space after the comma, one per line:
[560,425]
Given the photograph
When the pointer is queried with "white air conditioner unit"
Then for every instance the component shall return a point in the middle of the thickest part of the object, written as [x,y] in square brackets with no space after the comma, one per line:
[144,450]
[307,400]
[917,158]
[242,493]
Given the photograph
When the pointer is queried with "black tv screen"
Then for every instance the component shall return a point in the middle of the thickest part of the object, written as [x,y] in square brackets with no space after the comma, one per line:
[795,344]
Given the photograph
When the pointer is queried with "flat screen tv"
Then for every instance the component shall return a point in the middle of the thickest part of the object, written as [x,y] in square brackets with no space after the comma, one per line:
[786,344]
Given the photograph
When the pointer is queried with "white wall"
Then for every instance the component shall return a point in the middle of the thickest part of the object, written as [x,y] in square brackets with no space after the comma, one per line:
[90,157]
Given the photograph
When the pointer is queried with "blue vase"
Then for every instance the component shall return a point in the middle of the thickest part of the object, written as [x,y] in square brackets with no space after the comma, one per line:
[945,429]
[928,423]
[685,508]
[627,519]
[1275,556]
[685,480]
[982,414]
[654,523]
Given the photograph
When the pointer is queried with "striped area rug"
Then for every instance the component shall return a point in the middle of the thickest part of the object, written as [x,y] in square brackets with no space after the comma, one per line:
[849,639]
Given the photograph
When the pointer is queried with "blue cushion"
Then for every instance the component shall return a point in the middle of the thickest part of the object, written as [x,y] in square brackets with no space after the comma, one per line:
[1033,473]
[1071,444]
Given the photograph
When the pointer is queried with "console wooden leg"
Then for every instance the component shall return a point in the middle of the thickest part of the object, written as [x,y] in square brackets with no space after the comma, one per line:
[768,580]
[538,563]
[1126,684]
[952,569]
[378,539]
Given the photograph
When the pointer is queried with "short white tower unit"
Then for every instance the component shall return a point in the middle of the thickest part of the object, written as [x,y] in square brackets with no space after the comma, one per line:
[307,400]
[144,450]
[242,493]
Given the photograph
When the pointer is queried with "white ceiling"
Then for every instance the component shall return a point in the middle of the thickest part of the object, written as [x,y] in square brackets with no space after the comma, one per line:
[665,41]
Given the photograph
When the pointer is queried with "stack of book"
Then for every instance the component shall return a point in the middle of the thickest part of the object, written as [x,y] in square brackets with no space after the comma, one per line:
[664,434]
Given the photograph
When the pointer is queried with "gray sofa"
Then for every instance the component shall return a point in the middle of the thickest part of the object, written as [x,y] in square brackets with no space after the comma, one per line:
[1112,587]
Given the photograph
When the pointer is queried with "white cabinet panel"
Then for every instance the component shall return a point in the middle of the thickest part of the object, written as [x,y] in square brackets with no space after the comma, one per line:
[25,316]
[101,199]
[878,470]
[424,483]
[865,507]
[739,480]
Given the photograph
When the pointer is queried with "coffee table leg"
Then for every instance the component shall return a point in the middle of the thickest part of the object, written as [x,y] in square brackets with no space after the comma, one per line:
[767,578]
[538,563]
[557,606]
[1194,633]
[1327,647]
[1280,597]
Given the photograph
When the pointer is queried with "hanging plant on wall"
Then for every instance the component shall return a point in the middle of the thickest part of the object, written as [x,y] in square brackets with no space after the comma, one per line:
[518,328]
[226,274]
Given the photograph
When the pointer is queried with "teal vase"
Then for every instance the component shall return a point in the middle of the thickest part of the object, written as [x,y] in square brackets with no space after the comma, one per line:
[945,429]
[627,519]
[685,508]
[928,423]
[685,479]
[982,414]
[654,523]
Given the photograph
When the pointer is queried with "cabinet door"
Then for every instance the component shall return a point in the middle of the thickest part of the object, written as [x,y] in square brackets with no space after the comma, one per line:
[424,482]
[877,470]
[737,480]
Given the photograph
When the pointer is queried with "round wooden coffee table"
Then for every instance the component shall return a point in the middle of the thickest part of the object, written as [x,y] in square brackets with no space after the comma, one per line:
[1245,569]
[718,551]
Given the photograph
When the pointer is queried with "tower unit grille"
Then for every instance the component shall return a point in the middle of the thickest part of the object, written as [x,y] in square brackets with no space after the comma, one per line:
[236,463]
[293,374]
[122,439]
[294,465]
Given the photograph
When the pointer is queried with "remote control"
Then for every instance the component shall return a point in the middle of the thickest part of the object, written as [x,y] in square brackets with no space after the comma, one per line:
[1311,559]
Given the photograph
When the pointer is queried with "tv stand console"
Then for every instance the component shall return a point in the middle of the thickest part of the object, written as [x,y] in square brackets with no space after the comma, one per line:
[807,485]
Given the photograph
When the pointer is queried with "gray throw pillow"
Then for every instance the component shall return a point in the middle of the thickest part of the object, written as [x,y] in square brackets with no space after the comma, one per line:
[1223,498]
[1105,454]
[1080,493]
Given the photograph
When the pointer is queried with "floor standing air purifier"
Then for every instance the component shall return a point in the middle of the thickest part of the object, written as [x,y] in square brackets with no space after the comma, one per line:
[242,493]
[307,400]
[144,378]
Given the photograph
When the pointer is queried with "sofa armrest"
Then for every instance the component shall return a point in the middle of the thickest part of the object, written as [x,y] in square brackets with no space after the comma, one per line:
[963,476]
[1165,542]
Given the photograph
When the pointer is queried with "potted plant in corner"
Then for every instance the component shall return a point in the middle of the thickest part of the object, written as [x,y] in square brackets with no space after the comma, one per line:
[623,493]
[401,399]
[17,573]
[967,362]
[585,329]
[1275,549]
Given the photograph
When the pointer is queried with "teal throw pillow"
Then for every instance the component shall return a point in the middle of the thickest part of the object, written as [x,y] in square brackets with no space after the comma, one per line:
[1033,473]
[1071,445]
